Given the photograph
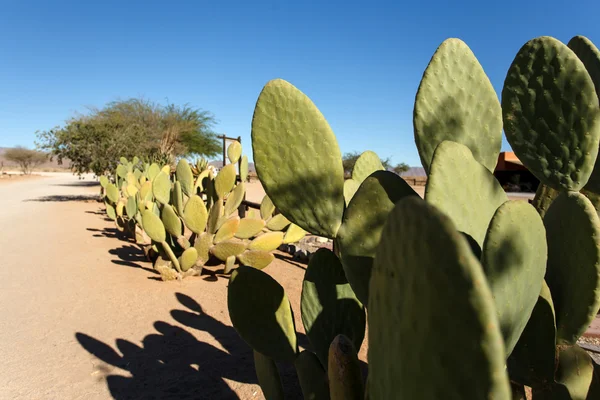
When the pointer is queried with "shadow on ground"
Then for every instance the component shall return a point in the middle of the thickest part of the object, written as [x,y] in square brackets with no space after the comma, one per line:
[173,364]
[67,197]
[79,184]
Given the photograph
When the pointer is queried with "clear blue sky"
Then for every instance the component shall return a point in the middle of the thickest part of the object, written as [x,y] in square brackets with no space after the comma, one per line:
[360,62]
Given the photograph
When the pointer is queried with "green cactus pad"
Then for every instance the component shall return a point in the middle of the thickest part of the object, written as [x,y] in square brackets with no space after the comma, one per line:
[131,207]
[122,171]
[112,193]
[244,169]
[350,188]
[457,102]
[345,377]
[203,245]
[234,152]
[249,227]
[154,226]
[132,190]
[267,241]
[267,208]
[533,358]
[227,229]
[426,277]
[225,180]
[256,258]
[235,198]
[589,55]
[295,149]
[177,200]
[119,208]
[104,181]
[463,189]
[228,248]
[551,114]
[514,261]
[185,177]
[161,188]
[312,376]
[123,160]
[293,234]
[573,271]
[171,221]
[594,392]
[188,259]
[146,191]
[215,213]
[261,314]
[328,304]
[111,212]
[544,196]
[365,165]
[131,179]
[229,264]
[364,219]
[166,169]
[195,215]
[268,377]
[278,223]
[153,171]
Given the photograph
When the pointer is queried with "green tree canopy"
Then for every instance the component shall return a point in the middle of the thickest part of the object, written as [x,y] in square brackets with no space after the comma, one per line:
[25,158]
[134,127]
[349,159]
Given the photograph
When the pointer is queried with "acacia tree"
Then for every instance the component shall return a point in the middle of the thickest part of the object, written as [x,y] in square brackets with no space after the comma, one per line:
[134,127]
[349,159]
[26,159]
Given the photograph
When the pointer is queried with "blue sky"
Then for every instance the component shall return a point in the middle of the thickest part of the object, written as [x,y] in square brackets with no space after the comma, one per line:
[360,62]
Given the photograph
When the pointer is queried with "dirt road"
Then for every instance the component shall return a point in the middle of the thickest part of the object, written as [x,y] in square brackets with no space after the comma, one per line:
[84,317]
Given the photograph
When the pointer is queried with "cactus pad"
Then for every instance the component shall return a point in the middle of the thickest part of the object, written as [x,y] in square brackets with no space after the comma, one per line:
[267,241]
[312,376]
[574,375]
[249,227]
[295,149]
[227,229]
[544,196]
[110,211]
[514,261]
[161,188]
[270,330]
[345,377]
[153,170]
[463,189]
[229,264]
[235,198]
[225,180]
[367,163]
[278,223]
[185,177]
[364,219]
[131,207]
[573,271]
[293,234]
[267,208]
[171,221]
[146,191]
[551,114]
[188,259]
[244,169]
[408,287]
[195,214]
[112,193]
[228,248]
[456,101]
[268,377]
[215,214]
[234,152]
[203,244]
[154,226]
[103,181]
[328,304]
[121,171]
[256,258]
[350,188]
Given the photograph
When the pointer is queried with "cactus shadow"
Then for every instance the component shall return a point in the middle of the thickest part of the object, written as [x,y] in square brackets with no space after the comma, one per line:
[79,184]
[130,256]
[66,198]
[173,363]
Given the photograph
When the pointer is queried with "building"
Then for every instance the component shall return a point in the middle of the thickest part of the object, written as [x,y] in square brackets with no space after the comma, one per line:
[512,175]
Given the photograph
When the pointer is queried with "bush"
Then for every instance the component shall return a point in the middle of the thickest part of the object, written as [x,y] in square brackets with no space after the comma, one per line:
[26,159]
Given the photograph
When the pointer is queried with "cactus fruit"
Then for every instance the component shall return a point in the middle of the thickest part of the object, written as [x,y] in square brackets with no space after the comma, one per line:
[304,151]
[573,272]
[408,284]
[271,329]
[514,261]
[345,378]
[472,207]
[549,97]
[456,101]
[328,304]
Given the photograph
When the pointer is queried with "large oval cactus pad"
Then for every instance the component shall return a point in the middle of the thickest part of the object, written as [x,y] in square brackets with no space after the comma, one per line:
[367,163]
[261,314]
[363,223]
[514,261]
[297,159]
[551,114]
[328,304]
[456,101]
[573,271]
[463,189]
[426,277]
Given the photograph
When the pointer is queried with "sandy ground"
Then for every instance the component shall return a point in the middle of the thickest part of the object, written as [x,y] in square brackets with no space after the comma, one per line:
[85,317]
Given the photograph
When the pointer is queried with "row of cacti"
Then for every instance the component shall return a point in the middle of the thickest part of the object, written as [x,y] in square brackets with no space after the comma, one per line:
[470,295]
[187,216]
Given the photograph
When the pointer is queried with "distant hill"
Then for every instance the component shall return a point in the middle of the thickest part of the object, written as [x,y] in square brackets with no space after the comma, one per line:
[414,172]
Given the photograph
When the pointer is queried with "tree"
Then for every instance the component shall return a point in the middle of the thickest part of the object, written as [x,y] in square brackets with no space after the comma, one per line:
[26,159]
[134,127]
[400,168]
[349,159]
